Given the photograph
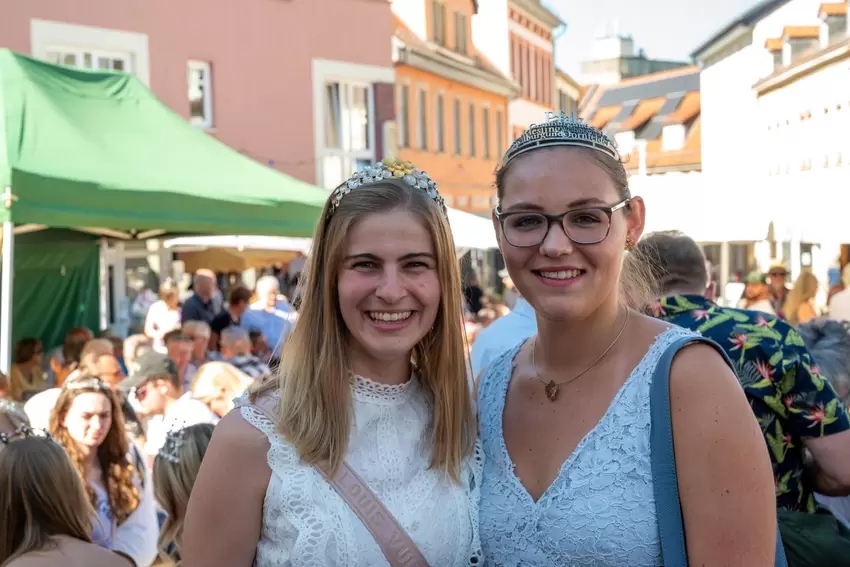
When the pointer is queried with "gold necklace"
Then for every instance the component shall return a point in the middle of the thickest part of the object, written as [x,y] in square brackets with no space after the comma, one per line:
[552,387]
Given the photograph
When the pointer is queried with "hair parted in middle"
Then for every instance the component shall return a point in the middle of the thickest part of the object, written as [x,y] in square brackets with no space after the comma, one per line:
[316,403]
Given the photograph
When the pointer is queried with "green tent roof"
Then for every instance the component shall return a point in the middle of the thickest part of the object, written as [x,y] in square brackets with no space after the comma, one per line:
[97,149]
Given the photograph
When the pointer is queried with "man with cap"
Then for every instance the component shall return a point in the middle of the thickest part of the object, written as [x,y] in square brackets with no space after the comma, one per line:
[157,388]
[776,276]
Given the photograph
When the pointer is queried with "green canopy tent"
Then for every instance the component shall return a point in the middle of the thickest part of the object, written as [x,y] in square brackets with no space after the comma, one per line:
[97,151]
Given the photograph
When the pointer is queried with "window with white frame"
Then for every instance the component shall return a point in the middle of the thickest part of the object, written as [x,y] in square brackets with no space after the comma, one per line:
[348,130]
[90,58]
[439,124]
[200,94]
[422,122]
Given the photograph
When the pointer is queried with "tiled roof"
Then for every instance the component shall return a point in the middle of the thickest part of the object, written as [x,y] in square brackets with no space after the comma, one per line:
[643,112]
[689,155]
[833,9]
[745,20]
[603,116]
[650,86]
[773,44]
[801,32]
[689,107]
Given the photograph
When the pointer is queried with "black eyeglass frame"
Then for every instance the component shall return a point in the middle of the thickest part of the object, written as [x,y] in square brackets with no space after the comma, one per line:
[609,212]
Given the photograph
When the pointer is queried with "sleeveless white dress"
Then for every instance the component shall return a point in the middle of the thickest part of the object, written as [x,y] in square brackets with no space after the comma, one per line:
[306,523]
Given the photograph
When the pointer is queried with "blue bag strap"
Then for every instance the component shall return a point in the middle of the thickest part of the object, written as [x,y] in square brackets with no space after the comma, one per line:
[665,484]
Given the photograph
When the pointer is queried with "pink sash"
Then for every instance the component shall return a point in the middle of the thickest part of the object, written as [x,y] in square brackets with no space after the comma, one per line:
[397,546]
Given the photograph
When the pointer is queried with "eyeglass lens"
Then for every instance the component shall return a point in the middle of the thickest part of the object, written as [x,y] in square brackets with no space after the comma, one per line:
[583,226]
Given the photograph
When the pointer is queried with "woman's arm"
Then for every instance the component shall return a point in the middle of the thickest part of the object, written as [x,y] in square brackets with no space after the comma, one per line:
[151,328]
[136,538]
[725,477]
[225,516]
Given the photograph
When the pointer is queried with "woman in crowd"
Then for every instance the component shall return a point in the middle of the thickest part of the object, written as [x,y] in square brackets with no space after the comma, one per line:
[798,307]
[565,417]
[373,381]
[174,471]
[44,512]
[164,315]
[217,384]
[89,423]
[26,376]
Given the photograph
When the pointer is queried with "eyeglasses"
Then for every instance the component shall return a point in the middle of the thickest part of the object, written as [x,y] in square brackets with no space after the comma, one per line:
[526,229]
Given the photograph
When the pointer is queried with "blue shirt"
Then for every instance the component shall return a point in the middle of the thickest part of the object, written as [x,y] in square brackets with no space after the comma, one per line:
[503,334]
[196,309]
[274,325]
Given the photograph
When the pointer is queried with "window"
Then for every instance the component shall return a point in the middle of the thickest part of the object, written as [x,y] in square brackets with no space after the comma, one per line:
[471,130]
[439,124]
[500,132]
[438,22]
[456,125]
[422,122]
[404,116]
[566,104]
[534,74]
[673,137]
[200,94]
[514,59]
[485,125]
[625,141]
[347,130]
[523,69]
[460,33]
[90,59]
[777,59]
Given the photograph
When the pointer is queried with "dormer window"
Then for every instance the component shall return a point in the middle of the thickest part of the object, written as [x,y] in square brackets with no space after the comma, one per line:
[625,141]
[801,39]
[438,22]
[834,15]
[774,46]
[672,137]
[461,33]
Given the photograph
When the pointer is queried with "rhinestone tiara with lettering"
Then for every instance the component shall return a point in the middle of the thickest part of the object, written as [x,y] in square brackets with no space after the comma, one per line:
[389,170]
[170,450]
[561,129]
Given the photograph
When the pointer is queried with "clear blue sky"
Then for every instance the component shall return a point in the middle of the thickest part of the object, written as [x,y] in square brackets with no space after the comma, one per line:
[665,29]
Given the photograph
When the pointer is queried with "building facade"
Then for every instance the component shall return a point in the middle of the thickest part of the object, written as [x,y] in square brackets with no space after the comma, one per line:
[567,93]
[303,101]
[518,37]
[452,103]
[614,59]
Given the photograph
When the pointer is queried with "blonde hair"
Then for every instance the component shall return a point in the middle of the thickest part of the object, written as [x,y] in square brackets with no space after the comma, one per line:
[197,328]
[173,484]
[315,406]
[118,473]
[804,290]
[213,377]
[41,496]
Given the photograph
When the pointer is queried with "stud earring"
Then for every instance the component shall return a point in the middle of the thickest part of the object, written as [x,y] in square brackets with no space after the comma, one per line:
[630,244]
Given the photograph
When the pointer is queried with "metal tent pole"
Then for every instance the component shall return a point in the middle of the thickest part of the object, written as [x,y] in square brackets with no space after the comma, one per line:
[6,288]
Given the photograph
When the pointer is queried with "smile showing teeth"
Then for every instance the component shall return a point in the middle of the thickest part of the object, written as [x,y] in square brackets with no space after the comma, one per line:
[389,317]
[562,275]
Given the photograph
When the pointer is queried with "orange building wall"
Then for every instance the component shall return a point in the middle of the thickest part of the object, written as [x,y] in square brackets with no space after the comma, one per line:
[466,182]
[451,6]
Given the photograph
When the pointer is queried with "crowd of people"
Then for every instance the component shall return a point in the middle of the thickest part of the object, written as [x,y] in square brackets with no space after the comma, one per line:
[377,438]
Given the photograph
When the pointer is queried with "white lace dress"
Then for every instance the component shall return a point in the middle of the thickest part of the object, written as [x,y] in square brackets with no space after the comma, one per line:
[305,522]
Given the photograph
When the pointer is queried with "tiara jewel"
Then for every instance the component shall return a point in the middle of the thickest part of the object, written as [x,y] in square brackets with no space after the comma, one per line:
[390,169]
[87,384]
[170,450]
[22,432]
[561,129]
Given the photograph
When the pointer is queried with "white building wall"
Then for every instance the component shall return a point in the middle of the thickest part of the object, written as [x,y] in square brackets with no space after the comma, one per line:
[490,33]
[412,13]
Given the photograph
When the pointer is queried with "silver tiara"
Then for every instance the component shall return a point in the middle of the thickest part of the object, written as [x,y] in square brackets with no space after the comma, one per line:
[170,450]
[21,432]
[87,384]
[561,129]
[389,169]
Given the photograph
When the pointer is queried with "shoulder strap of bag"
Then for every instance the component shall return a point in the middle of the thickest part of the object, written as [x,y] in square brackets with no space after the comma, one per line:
[665,484]
[397,546]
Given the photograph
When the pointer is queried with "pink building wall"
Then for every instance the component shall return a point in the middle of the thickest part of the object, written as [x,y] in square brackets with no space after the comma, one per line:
[261,54]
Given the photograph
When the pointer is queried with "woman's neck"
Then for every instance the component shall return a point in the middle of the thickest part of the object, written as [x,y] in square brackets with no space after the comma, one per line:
[390,373]
[88,456]
[565,344]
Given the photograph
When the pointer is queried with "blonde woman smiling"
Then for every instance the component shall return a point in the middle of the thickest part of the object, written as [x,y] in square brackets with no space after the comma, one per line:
[372,393]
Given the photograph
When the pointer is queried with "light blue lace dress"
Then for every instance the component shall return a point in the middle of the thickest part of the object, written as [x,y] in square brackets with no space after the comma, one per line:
[600,510]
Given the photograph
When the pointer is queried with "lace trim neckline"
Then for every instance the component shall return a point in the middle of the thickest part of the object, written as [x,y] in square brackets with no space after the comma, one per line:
[368,390]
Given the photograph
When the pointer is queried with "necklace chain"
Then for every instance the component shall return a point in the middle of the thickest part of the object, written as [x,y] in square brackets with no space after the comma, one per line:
[553,387]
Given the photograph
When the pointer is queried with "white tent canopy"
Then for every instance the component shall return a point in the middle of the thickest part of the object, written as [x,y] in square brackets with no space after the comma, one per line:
[470,232]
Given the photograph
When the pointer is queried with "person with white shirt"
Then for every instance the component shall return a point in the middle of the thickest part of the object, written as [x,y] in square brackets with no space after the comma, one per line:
[503,334]
[159,391]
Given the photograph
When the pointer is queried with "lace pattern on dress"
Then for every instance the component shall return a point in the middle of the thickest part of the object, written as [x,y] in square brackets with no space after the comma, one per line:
[600,509]
[305,522]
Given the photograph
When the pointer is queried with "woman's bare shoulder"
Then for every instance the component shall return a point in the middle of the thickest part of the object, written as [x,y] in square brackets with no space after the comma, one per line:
[70,552]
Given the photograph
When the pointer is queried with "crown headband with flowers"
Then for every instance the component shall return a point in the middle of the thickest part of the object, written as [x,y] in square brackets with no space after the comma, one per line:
[22,432]
[561,129]
[389,169]
[170,450]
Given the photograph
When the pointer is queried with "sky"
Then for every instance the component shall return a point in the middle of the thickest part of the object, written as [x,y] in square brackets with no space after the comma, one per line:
[665,29]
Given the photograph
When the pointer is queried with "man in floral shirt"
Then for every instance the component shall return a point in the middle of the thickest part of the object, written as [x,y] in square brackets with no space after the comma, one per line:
[792,401]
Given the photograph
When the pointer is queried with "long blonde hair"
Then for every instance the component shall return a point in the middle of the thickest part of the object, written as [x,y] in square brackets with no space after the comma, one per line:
[119,474]
[804,290]
[41,496]
[173,482]
[315,406]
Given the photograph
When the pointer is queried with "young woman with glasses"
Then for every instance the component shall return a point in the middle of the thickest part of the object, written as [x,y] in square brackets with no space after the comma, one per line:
[565,417]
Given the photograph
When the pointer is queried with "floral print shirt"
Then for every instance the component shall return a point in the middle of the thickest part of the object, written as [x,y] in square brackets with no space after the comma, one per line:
[790,397]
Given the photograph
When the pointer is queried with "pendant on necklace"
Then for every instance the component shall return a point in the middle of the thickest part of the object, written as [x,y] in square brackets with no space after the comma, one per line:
[552,390]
